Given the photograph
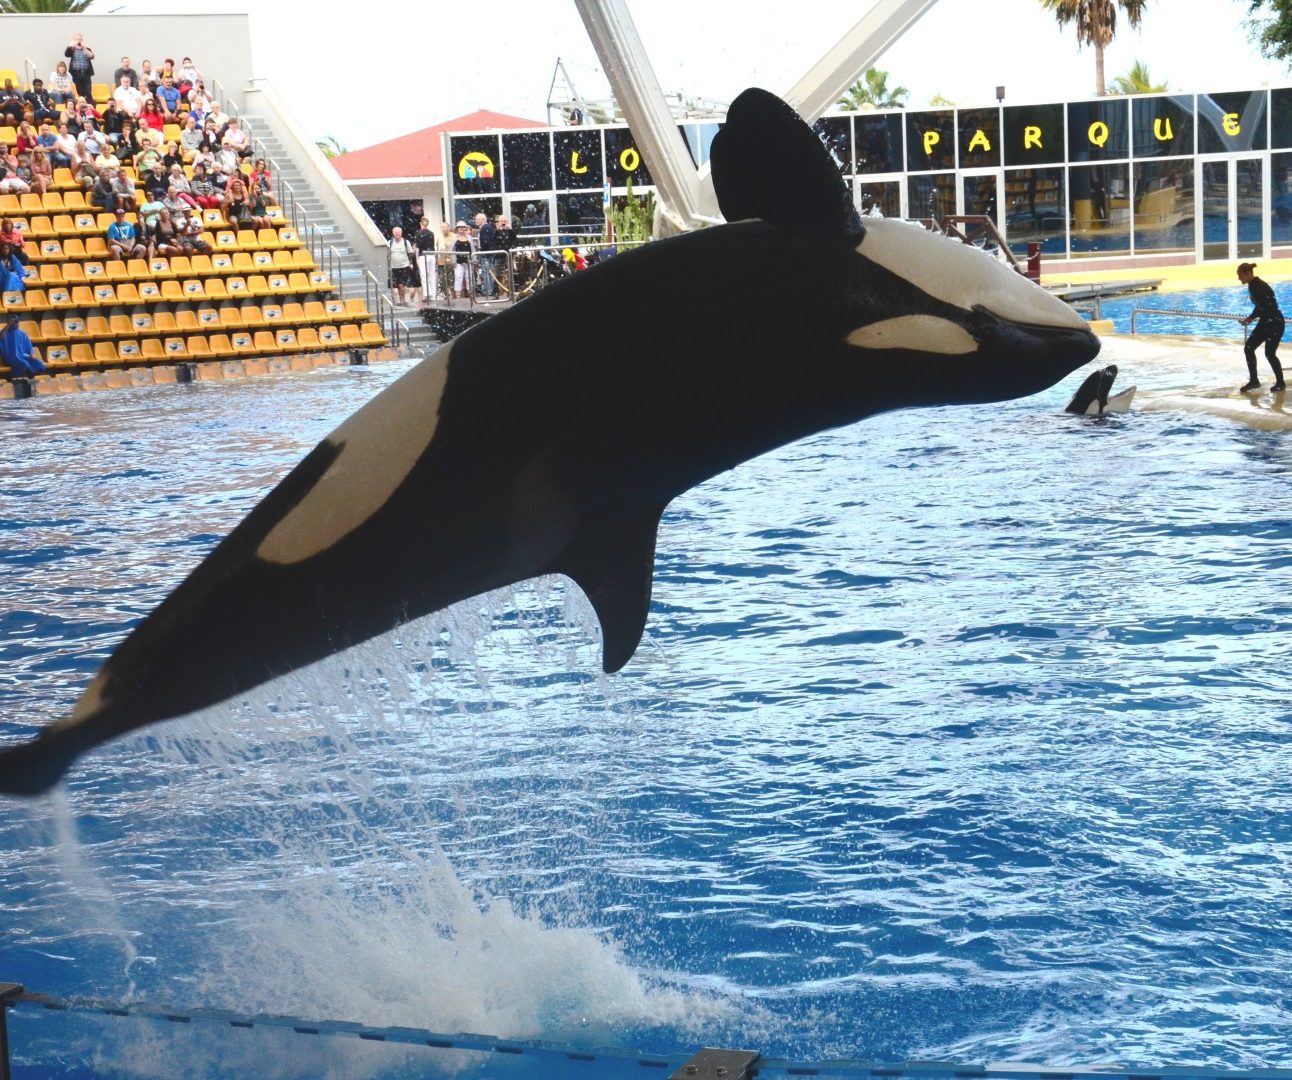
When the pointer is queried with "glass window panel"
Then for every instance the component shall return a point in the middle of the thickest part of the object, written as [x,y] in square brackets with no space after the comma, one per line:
[1162,126]
[1036,209]
[1099,206]
[580,216]
[931,195]
[466,209]
[884,196]
[979,138]
[836,133]
[1249,175]
[1099,130]
[1281,118]
[1033,134]
[980,197]
[475,164]
[1281,199]
[930,141]
[1230,122]
[699,138]
[1164,219]
[577,152]
[527,161]
[1215,209]
[624,160]
[878,143]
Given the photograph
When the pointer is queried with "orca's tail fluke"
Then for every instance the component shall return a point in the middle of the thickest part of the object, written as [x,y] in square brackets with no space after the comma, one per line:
[33,767]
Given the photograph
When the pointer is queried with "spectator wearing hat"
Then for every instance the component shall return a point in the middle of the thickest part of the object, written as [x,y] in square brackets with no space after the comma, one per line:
[16,350]
[462,250]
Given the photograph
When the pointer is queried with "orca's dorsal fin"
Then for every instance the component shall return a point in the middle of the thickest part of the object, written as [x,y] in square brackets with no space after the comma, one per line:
[767,163]
[613,562]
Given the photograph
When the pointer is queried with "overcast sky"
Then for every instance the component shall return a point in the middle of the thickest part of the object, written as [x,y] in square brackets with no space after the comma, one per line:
[369,71]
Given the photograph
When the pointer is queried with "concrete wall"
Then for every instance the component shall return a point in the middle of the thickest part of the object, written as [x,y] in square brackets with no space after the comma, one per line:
[220,45]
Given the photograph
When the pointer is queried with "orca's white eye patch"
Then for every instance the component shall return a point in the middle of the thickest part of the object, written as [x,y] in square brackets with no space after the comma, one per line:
[959,274]
[918,333]
[380,444]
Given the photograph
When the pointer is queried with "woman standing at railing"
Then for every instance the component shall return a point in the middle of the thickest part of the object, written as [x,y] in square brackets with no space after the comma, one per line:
[462,252]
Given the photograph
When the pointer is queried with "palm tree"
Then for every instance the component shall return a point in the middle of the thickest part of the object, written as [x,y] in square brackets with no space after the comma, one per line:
[43,7]
[1096,24]
[330,146]
[871,92]
[1136,81]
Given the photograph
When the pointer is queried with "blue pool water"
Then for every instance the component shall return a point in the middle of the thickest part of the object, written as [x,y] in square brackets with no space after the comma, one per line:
[1228,300]
[956,734]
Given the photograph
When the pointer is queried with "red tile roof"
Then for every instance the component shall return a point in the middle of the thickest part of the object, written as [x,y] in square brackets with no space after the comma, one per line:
[418,154]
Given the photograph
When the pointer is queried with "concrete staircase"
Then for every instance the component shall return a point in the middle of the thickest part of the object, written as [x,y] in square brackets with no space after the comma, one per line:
[349,271]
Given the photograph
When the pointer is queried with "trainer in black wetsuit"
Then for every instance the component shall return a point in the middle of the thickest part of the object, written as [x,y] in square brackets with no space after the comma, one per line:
[1269,327]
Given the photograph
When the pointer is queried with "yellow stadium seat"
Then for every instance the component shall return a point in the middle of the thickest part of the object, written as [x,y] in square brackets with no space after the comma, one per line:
[83,296]
[120,325]
[127,291]
[288,238]
[150,292]
[213,218]
[74,201]
[319,281]
[334,310]
[170,132]
[74,248]
[180,266]
[263,260]
[73,272]
[31,328]
[130,351]
[220,345]
[40,227]
[302,259]
[207,318]
[214,288]
[192,288]
[52,330]
[97,327]
[198,347]
[141,322]
[285,338]
[273,313]
[246,240]
[159,266]
[175,348]
[105,352]
[32,300]
[226,240]
[201,264]
[58,355]
[164,322]
[357,308]
[222,262]
[64,225]
[312,312]
[278,283]
[308,338]
[74,328]
[51,273]
[52,202]
[151,349]
[268,238]
[299,282]
[329,337]
[293,313]
[231,317]
[31,203]
[282,259]
[138,269]
[186,322]
[94,271]
[236,286]
[85,222]
[253,317]
[51,249]
[276,215]
[350,334]
[101,92]
[103,294]
[372,334]
[242,343]
[243,263]
[82,355]
[63,178]
[115,270]
[265,342]
[60,296]
[9,203]
[257,285]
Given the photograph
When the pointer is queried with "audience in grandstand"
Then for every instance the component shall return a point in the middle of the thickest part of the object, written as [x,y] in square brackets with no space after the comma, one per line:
[123,239]
[151,116]
[123,187]
[127,97]
[147,77]
[61,86]
[16,349]
[203,190]
[235,138]
[41,103]
[80,64]
[10,182]
[189,75]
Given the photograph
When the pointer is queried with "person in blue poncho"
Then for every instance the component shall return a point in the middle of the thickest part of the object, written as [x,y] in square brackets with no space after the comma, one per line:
[16,350]
[10,270]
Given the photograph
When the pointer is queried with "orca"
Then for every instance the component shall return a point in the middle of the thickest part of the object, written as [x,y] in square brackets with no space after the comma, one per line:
[550,437]
[1091,398]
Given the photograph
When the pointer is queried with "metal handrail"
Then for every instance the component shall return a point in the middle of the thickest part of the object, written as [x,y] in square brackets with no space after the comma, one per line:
[394,328]
[1229,315]
[512,253]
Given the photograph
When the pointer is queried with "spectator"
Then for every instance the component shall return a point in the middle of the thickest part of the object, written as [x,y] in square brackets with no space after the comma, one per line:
[27,176]
[402,274]
[203,190]
[11,103]
[106,160]
[425,242]
[165,235]
[167,69]
[237,206]
[14,238]
[260,181]
[180,183]
[191,237]
[114,121]
[235,138]
[151,116]
[488,243]
[171,157]
[190,139]
[91,139]
[80,63]
[260,218]
[147,77]
[462,249]
[128,97]
[26,140]
[103,195]
[61,86]
[168,99]
[123,186]
[227,159]
[148,155]
[444,260]
[149,215]
[64,149]
[41,103]
[10,182]
[16,350]
[189,76]
[11,279]
[179,205]
[155,181]
[127,143]
[125,71]
[123,239]
[42,172]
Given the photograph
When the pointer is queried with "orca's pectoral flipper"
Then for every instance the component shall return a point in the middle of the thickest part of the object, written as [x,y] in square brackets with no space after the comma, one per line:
[807,193]
[613,564]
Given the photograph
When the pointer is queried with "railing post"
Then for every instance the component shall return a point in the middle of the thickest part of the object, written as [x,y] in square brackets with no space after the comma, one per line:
[8,994]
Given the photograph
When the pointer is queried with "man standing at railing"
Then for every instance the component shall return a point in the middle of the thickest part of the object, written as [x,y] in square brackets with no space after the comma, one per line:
[401,265]
[1269,327]
[488,243]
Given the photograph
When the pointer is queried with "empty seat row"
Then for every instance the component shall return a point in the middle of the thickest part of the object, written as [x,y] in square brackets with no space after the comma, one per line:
[168,291]
[315,313]
[217,346]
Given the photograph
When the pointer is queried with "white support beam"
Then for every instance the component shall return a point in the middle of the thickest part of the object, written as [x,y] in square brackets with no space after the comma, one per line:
[855,52]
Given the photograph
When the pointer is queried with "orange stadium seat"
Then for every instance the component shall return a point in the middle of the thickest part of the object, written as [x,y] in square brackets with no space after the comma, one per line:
[51,249]
[350,334]
[198,347]
[308,338]
[164,322]
[293,313]
[104,295]
[129,351]
[105,352]
[329,337]
[372,334]
[74,328]
[357,308]
[265,342]
[186,322]
[208,317]
[243,263]
[220,345]
[214,288]
[82,355]
[97,327]
[151,349]
[285,338]
[253,317]
[150,292]
[242,343]
[120,325]
[176,348]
